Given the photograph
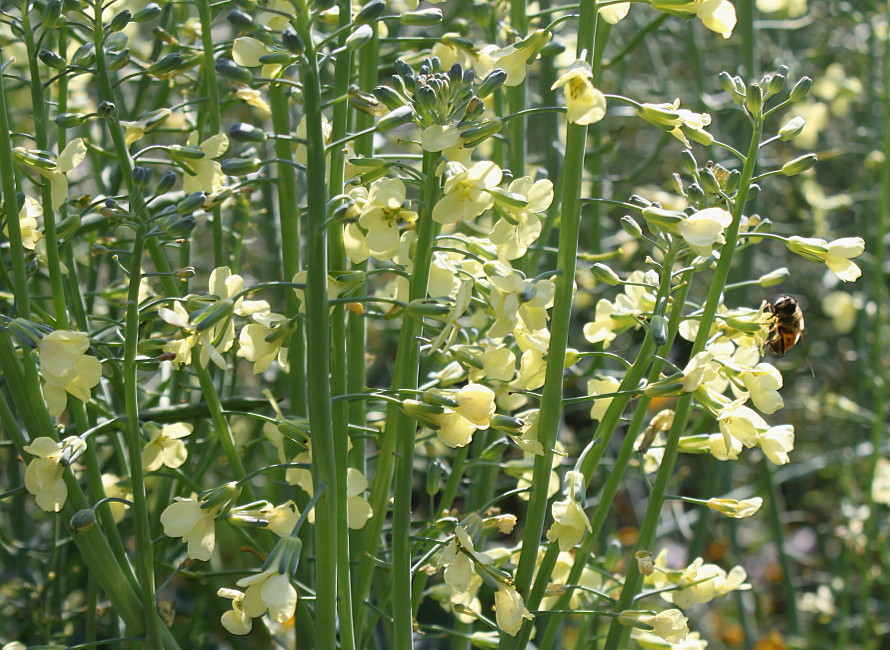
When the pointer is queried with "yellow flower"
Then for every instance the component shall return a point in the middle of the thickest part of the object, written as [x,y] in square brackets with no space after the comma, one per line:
[615,13]
[269,591]
[584,103]
[705,229]
[247,51]
[66,368]
[466,192]
[602,386]
[28,226]
[44,476]
[72,155]
[115,487]
[164,447]
[736,509]
[195,525]
[880,486]
[208,176]
[717,15]
[836,254]
[569,518]
[670,624]
[262,343]
[679,122]
[514,235]
[236,620]
[510,609]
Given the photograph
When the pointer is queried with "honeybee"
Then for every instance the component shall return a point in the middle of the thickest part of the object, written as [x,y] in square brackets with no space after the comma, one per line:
[787,327]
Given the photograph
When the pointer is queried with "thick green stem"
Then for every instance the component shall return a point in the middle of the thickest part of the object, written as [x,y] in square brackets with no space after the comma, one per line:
[324,469]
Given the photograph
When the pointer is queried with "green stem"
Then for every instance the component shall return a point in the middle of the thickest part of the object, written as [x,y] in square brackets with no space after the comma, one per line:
[324,470]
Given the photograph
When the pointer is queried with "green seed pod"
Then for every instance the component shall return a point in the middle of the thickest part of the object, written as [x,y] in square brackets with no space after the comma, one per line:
[801,89]
[800,165]
[149,12]
[68,227]
[241,166]
[421,17]
[369,13]
[434,474]
[120,21]
[183,153]
[219,312]
[52,60]
[277,58]
[232,71]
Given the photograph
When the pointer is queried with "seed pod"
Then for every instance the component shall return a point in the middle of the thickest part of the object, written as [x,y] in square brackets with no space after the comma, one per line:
[243,132]
[241,166]
[421,17]
[232,71]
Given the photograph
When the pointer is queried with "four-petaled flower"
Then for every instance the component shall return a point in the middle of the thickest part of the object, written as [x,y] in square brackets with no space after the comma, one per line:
[67,368]
[584,103]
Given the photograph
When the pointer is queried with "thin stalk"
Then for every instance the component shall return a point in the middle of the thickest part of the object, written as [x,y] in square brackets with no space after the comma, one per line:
[211,90]
[318,330]
[517,134]
[618,633]
[552,399]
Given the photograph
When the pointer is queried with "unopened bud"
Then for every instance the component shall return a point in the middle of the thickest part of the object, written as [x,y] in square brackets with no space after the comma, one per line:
[241,166]
[801,89]
[422,17]
[120,21]
[631,227]
[774,278]
[792,129]
[370,12]
[605,274]
[149,12]
[399,117]
[232,71]
[83,521]
[800,165]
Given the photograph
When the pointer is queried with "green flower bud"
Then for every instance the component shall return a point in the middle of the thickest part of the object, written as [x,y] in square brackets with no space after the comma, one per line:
[388,97]
[732,181]
[482,131]
[605,274]
[659,327]
[166,183]
[232,71]
[218,312]
[700,136]
[439,399]
[507,424]
[801,89]
[277,58]
[181,227]
[242,20]
[687,159]
[421,17]
[427,308]
[222,497]
[33,158]
[491,83]
[434,473]
[708,181]
[165,64]
[776,84]
[774,278]
[52,60]
[184,153]
[396,118]
[120,21]
[292,41]
[667,219]
[631,227]
[726,82]
[696,194]
[82,521]
[149,12]
[70,120]
[370,12]
[51,14]
[191,203]
[141,177]
[84,56]
[106,110]
[800,165]
[359,38]
[792,129]
[243,132]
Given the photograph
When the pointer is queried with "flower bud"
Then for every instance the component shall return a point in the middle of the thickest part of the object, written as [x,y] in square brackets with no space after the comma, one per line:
[120,21]
[507,424]
[243,132]
[482,131]
[359,38]
[735,509]
[149,12]
[396,118]
[51,14]
[370,12]
[733,180]
[241,166]
[242,20]
[83,521]
[491,83]
[191,203]
[232,71]
[688,161]
[666,219]
[165,64]
[388,97]
[222,497]
[52,60]
[70,120]
[792,129]
[141,177]
[434,474]
[631,227]
[776,83]
[708,181]
[801,89]
[774,278]
[106,110]
[422,308]
[84,56]
[800,165]
[181,227]
[605,274]
[659,327]
[165,183]
[422,17]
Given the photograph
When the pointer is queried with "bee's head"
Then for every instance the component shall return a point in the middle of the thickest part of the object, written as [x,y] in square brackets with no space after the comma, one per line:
[785,305]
